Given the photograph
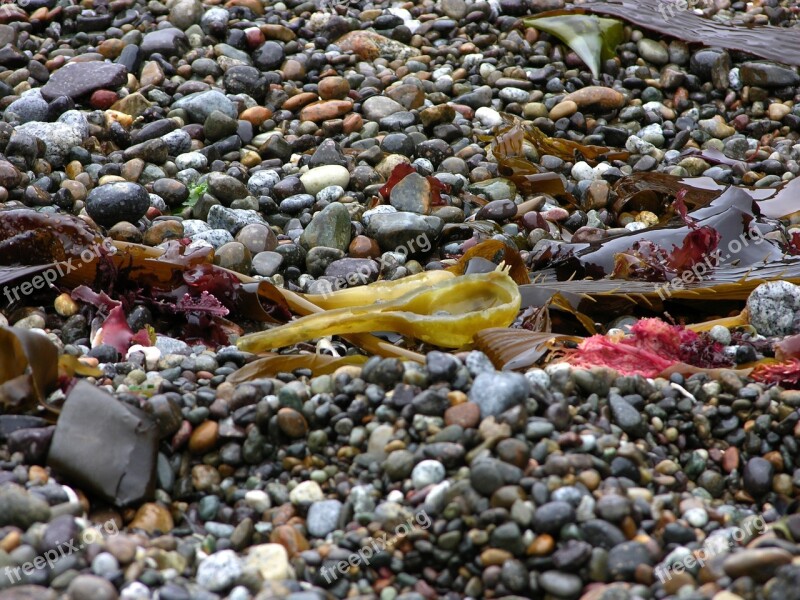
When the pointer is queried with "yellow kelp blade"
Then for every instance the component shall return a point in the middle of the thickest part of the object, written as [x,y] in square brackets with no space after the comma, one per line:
[447,314]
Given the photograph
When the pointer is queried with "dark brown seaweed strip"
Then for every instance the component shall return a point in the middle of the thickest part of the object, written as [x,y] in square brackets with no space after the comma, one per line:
[780,44]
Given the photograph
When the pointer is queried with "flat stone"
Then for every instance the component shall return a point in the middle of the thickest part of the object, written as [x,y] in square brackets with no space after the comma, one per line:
[318,178]
[167,42]
[368,45]
[76,80]
[323,517]
[759,563]
[270,560]
[396,229]
[595,95]
[201,104]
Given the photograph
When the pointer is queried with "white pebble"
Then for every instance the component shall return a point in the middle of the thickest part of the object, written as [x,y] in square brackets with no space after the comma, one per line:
[488,117]
[582,170]
[721,334]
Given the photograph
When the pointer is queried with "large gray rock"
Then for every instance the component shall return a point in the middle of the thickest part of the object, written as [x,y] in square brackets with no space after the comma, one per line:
[393,230]
[80,79]
[58,139]
[201,104]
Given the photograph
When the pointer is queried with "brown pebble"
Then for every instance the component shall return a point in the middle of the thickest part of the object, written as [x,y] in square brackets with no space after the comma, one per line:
[161,231]
[256,115]
[290,538]
[364,247]
[299,100]
[352,123]
[204,437]
[467,415]
[125,232]
[595,95]
[677,581]
[495,556]
[205,478]
[292,423]
[255,5]
[152,517]
[11,541]
[566,108]
[293,70]
[328,109]
[541,546]
[277,32]
[333,88]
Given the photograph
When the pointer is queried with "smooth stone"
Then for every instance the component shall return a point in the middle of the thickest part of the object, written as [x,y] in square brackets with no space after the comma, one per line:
[495,393]
[167,42]
[393,230]
[318,178]
[330,228]
[270,560]
[201,104]
[323,517]
[112,203]
[219,571]
[79,79]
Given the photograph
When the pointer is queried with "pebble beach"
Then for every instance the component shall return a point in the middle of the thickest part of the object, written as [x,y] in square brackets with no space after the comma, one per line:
[267,131]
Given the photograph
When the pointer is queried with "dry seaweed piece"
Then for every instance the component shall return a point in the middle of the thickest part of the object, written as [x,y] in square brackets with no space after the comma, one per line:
[507,149]
[260,300]
[447,314]
[656,192]
[28,368]
[569,150]
[496,252]
[270,365]
[105,446]
[515,349]
[780,44]
[592,38]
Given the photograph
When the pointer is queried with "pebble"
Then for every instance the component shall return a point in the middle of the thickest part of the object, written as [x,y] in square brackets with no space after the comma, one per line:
[219,571]
[495,393]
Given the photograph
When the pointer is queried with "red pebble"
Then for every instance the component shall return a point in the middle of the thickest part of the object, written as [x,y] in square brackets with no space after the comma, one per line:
[103,99]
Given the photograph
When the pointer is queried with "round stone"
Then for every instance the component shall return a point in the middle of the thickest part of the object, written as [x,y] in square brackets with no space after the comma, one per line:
[112,203]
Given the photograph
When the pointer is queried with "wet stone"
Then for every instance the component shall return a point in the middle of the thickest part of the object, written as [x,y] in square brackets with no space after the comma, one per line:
[330,228]
[77,80]
[114,202]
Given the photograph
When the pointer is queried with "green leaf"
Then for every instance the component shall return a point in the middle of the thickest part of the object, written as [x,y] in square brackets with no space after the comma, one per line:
[195,194]
[591,37]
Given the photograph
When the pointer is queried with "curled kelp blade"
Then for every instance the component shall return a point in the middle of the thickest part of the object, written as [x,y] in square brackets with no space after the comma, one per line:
[447,314]
[592,38]
[273,364]
[380,291]
[496,252]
